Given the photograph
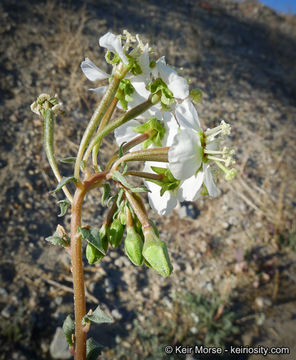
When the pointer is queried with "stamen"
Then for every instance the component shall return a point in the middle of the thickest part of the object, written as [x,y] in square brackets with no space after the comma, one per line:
[229,173]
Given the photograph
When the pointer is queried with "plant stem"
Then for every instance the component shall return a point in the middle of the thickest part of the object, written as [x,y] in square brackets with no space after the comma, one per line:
[126,147]
[78,277]
[96,118]
[131,114]
[77,265]
[145,175]
[103,123]
[138,209]
[157,154]
[49,148]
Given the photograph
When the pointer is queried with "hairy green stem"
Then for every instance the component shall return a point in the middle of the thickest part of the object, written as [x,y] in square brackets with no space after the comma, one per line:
[145,175]
[49,148]
[129,115]
[157,154]
[97,117]
[126,147]
[103,123]
[138,209]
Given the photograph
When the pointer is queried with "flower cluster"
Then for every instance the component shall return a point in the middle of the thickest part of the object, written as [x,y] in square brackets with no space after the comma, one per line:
[173,123]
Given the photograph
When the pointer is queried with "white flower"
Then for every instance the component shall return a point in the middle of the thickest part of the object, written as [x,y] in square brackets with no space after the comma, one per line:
[126,133]
[177,84]
[113,43]
[193,150]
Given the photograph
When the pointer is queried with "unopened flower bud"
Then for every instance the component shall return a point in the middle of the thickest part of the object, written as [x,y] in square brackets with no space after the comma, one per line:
[44,102]
[93,255]
[115,233]
[133,245]
[156,254]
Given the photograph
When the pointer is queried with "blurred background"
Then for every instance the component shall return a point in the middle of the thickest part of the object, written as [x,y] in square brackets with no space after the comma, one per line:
[234,257]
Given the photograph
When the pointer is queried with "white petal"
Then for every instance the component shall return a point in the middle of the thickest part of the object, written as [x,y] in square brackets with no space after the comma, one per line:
[140,87]
[92,72]
[162,204]
[209,182]
[144,64]
[165,72]
[125,133]
[190,188]
[113,43]
[171,128]
[185,154]
[178,86]
[99,90]
[187,115]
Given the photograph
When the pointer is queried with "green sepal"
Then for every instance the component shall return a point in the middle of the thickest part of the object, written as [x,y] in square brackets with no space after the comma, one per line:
[155,252]
[133,245]
[134,66]
[98,317]
[56,239]
[167,97]
[93,349]
[63,182]
[196,95]
[115,233]
[69,329]
[124,92]
[67,160]
[64,206]
[168,183]
[93,255]
[106,193]
[204,191]
[115,59]
[96,238]
[117,176]
[155,130]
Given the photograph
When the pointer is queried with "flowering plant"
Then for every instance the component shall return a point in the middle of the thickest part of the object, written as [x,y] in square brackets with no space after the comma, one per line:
[158,126]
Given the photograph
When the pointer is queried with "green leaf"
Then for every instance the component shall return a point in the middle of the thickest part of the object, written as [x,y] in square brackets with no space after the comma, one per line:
[139,189]
[94,238]
[93,255]
[67,160]
[196,95]
[63,182]
[93,349]
[106,193]
[115,233]
[64,206]
[98,317]
[117,176]
[69,329]
[56,239]
[121,149]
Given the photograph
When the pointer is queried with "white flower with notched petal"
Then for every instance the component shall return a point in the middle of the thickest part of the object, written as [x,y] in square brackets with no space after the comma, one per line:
[176,83]
[193,150]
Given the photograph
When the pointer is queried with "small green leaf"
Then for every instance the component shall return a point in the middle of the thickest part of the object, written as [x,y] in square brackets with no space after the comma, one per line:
[63,182]
[115,233]
[94,238]
[69,329]
[106,193]
[93,349]
[139,189]
[98,317]
[121,149]
[196,95]
[56,239]
[117,176]
[67,160]
[93,255]
[64,206]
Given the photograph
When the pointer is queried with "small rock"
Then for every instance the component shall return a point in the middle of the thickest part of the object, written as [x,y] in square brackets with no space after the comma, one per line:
[109,286]
[59,348]
[262,302]
[3,294]
[8,311]
[116,314]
